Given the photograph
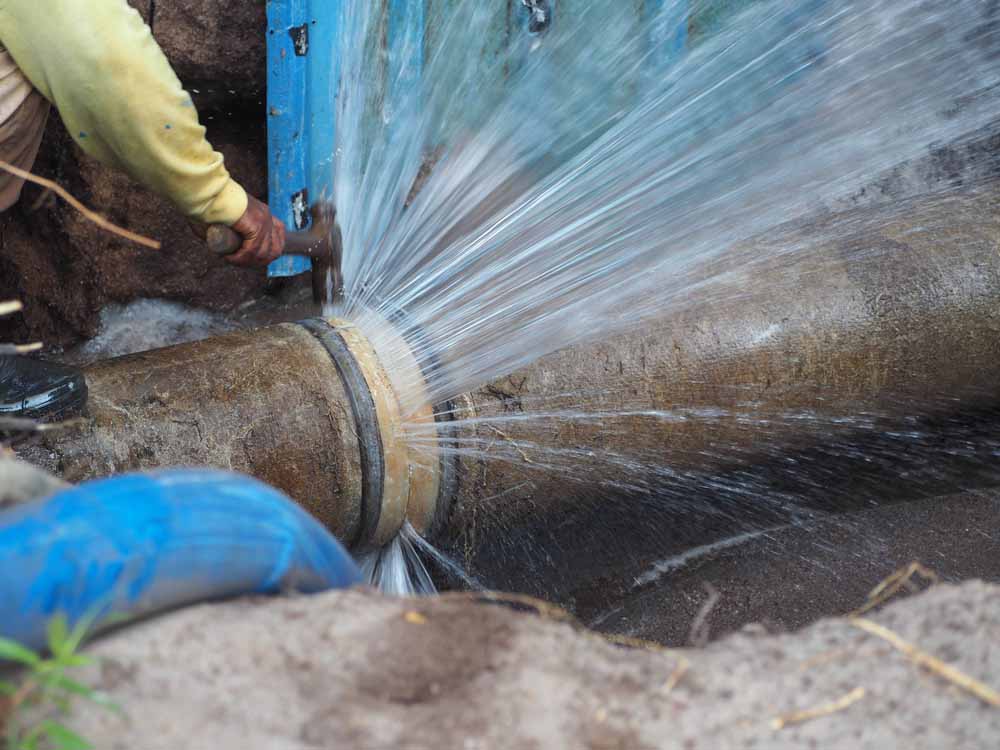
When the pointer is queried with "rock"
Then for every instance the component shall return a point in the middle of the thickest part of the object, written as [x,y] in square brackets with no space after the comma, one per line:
[355,669]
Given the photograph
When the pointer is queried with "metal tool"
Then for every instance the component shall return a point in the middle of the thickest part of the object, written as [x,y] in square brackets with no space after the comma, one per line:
[322,243]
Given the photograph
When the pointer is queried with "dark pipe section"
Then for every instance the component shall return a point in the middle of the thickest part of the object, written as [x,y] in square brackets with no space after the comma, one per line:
[590,554]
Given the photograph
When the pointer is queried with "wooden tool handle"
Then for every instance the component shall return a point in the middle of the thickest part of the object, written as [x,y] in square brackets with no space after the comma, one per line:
[222,240]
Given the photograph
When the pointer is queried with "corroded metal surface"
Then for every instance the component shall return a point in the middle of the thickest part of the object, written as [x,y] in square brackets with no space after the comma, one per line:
[828,333]
[400,375]
[269,402]
[395,457]
[261,402]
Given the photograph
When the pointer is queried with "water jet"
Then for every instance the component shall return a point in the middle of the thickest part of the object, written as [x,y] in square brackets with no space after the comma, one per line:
[891,313]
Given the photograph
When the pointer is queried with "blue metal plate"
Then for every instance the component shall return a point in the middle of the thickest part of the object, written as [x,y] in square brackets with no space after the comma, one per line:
[304,63]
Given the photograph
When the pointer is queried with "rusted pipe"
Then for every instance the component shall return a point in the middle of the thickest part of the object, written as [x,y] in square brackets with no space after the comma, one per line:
[857,344]
[305,407]
[886,313]
[322,243]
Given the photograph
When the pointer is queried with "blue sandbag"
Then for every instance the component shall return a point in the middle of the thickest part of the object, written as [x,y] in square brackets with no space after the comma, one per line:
[137,544]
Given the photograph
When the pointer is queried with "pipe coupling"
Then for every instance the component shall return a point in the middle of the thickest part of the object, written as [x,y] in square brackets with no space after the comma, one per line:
[401,477]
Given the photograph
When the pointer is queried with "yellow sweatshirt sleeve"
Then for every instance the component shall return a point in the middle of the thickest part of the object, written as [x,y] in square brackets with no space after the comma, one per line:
[97,62]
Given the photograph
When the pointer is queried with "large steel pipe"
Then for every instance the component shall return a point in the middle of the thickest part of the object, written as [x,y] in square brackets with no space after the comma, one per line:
[845,324]
[305,407]
[829,365]
[815,334]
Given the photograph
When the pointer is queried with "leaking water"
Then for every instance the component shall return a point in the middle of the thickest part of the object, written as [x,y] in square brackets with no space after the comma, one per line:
[399,568]
[549,189]
[149,324]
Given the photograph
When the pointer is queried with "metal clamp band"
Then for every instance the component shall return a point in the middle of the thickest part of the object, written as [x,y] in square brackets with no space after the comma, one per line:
[432,487]
[395,454]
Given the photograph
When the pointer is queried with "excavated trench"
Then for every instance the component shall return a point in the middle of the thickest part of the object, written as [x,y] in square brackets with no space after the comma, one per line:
[777,434]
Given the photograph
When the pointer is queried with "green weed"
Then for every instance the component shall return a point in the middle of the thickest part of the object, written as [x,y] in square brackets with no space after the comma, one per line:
[47,687]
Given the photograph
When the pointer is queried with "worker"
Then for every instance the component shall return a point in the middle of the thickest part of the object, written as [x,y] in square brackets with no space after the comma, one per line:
[96,61]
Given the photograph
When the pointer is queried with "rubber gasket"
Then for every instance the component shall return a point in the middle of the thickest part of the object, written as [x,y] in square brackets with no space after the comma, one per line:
[366,420]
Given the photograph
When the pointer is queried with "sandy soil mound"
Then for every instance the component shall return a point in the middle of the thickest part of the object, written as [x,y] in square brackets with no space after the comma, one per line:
[357,670]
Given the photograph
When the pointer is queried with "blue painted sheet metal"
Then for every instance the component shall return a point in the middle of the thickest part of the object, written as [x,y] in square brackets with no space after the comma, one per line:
[321,91]
[667,24]
[522,15]
[288,42]
[139,544]
[406,47]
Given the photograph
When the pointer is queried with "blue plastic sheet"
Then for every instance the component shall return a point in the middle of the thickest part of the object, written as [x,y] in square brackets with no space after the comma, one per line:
[138,544]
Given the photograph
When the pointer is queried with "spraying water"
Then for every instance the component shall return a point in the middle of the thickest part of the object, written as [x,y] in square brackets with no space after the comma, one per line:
[532,192]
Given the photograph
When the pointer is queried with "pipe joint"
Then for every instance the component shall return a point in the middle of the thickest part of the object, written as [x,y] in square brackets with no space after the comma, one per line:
[401,482]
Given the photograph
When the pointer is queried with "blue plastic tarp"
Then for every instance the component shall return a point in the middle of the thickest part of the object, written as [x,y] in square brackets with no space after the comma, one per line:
[138,544]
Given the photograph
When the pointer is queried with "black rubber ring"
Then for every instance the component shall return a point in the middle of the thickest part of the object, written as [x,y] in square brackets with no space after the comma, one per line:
[366,419]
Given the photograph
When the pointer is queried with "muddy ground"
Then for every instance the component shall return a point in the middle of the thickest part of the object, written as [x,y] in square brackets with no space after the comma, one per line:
[358,670]
[788,577]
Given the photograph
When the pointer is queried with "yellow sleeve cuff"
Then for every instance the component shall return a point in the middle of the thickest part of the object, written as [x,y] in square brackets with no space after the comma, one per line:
[228,206]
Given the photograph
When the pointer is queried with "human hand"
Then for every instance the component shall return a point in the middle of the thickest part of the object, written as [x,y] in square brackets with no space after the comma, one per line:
[263,236]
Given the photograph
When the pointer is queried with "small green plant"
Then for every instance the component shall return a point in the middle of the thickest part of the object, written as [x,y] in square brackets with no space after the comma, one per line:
[47,687]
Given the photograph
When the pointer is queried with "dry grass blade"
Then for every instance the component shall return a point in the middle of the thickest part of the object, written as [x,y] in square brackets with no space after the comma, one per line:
[18,424]
[700,634]
[971,685]
[92,215]
[677,675]
[629,641]
[552,612]
[7,308]
[9,349]
[825,710]
[545,609]
[894,583]
[512,443]
[24,424]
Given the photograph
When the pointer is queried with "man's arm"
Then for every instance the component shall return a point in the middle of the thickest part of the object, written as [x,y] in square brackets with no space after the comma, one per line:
[97,62]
